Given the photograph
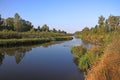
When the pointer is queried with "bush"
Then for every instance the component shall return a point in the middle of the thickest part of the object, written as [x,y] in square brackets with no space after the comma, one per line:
[78,51]
[87,60]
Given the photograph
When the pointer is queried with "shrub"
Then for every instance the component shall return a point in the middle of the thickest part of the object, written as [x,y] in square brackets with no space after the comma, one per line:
[78,51]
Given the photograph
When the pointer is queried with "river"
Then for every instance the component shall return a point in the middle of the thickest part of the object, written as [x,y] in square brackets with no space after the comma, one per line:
[50,61]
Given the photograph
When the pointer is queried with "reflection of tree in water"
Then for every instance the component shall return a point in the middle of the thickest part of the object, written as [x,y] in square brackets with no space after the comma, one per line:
[76,60]
[19,56]
[19,52]
[1,58]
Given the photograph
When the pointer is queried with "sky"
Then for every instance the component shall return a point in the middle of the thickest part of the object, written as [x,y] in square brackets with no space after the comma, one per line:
[68,15]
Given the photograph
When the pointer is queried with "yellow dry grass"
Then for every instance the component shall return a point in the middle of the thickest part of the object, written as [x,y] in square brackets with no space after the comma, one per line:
[108,67]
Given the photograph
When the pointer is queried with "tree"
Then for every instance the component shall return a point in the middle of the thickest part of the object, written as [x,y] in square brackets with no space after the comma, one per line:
[0,20]
[17,23]
[106,26]
[3,24]
[45,28]
[10,23]
[38,28]
[16,17]
[101,21]
[54,30]
[59,31]
[25,25]
[64,32]
[113,22]
[101,24]
[32,30]
[85,31]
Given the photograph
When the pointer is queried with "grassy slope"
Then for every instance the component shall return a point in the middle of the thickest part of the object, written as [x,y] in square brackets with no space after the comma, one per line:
[108,67]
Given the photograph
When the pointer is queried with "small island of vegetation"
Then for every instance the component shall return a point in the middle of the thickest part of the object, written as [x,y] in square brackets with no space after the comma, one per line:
[17,31]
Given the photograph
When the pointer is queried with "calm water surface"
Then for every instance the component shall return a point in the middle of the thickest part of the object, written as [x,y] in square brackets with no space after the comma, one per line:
[50,61]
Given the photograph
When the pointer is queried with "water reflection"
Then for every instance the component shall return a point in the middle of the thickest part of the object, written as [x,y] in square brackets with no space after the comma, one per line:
[19,52]
[84,43]
[1,58]
[50,61]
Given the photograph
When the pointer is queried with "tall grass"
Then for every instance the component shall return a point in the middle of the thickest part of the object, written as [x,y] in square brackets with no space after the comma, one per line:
[30,41]
[108,67]
[86,57]
[18,35]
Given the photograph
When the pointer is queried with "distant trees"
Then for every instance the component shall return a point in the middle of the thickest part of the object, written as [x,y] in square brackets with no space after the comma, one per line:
[18,24]
[104,26]
[109,25]
[15,24]
[21,25]
[45,28]
[113,22]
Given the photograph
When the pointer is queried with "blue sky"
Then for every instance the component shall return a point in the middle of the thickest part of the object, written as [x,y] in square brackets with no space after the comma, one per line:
[68,15]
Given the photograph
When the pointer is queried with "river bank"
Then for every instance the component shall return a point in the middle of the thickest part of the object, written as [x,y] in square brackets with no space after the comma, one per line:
[101,61]
[30,41]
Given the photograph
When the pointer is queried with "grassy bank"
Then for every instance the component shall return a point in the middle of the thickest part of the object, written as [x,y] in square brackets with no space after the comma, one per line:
[30,41]
[86,57]
[108,66]
[19,35]
[102,61]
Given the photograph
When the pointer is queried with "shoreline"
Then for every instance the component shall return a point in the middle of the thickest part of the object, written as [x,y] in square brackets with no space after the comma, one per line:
[30,41]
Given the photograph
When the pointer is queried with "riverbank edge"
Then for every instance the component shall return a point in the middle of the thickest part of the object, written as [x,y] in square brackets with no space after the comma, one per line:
[30,41]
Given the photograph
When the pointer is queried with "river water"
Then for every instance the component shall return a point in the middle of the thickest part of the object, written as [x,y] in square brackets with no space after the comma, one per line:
[50,61]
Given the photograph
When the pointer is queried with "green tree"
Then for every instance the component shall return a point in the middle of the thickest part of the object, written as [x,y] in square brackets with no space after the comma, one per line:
[64,32]
[101,21]
[59,31]
[10,23]
[106,27]
[54,30]
[32,30]
[85,31]
[25,25]
[16,17]
[0,20]
[17,23]
[39,29]
[113,22]
[45,28]
[101,24]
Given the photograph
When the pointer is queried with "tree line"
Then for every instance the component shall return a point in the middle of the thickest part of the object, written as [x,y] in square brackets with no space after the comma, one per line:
[102,32]
[112,24]
[18,24]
